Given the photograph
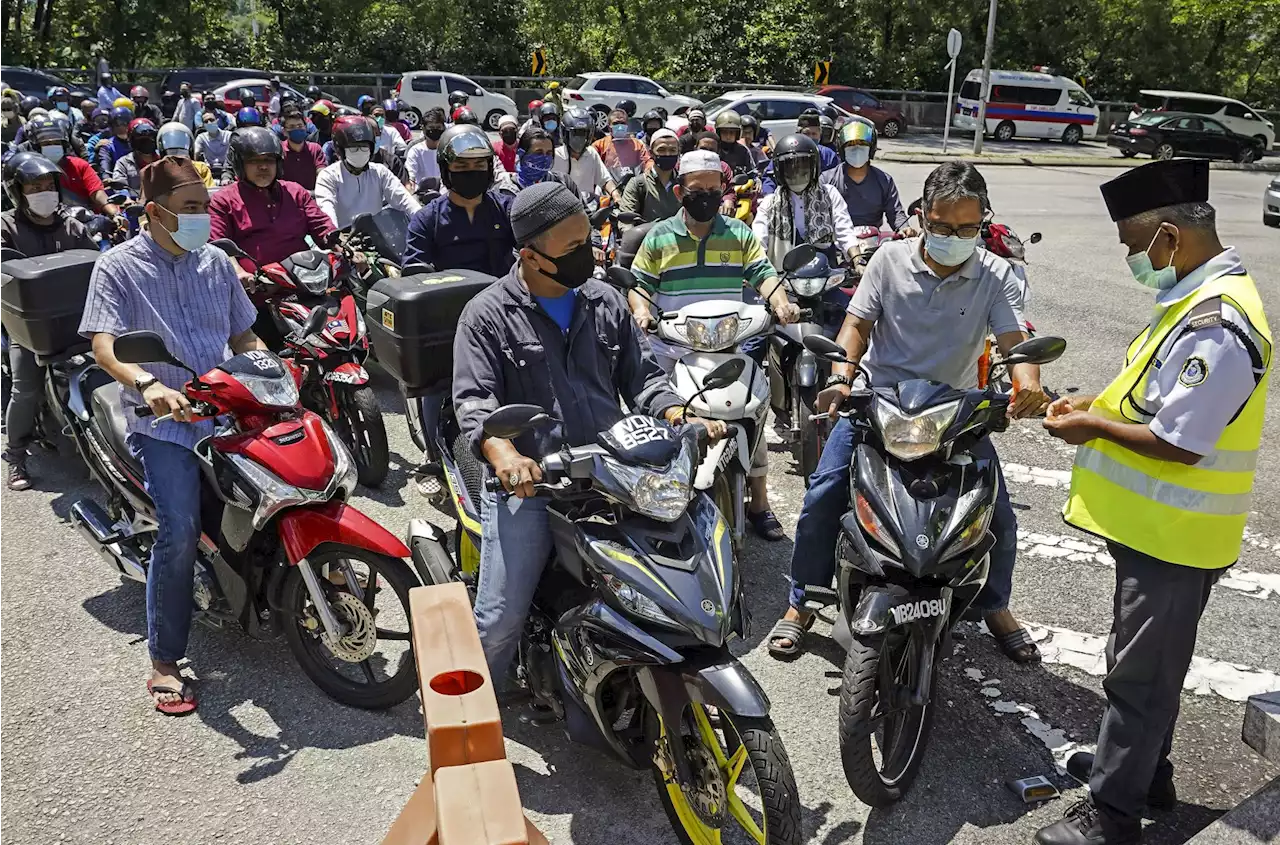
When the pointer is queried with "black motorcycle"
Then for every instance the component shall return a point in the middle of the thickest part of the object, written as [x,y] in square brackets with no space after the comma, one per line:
[627,638]
[912,555]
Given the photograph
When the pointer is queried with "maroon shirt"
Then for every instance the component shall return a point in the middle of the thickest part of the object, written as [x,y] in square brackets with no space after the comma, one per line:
[303,165]
[270,224]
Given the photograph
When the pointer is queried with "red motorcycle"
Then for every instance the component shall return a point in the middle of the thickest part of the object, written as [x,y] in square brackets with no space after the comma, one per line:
[281,548]
[334,382]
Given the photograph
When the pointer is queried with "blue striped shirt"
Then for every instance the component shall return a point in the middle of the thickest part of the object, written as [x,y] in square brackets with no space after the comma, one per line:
[193,301]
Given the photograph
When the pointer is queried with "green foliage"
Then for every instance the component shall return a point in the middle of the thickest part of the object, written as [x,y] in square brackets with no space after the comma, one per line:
[1220,46]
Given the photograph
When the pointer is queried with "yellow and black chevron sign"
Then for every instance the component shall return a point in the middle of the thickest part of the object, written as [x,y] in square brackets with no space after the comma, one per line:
[539,62]
[822,73]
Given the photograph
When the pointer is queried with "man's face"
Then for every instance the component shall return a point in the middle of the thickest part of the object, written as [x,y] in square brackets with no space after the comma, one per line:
[184,90]
[962,218]
[748,136]
[120,130]
[461,165]
[702,180]
[292,123]
[652,126]
[560,239]
[37,186]
[140,100]
[709,144]
[1158,242]
[813,132]
[189,199]
[666,147]
[541,146]
[697,119]
[728,136]
[260,170]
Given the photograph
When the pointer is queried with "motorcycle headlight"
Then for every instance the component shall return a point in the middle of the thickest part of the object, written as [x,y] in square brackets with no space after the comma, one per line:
[711,335]
[275,494]
[873,526]
[664,494]
[809,288]
[344,467]
[636,602]
[972,534]
[314,281]
[275,392]
[908,436]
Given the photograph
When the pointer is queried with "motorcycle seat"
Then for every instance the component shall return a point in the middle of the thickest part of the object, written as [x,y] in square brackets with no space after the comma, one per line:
[108,419]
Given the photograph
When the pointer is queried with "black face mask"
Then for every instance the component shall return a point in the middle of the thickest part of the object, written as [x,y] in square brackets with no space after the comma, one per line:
[470,184]
[666,162]
[433,132]
[701,205]
[509,136]
[146,146]
[574,268]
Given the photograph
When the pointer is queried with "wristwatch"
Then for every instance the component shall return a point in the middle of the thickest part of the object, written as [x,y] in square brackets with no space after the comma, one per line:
[837,378]
[144,381]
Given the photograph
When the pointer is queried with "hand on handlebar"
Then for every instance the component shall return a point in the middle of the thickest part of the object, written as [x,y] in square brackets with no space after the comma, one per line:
[831,399]
[787,312]
[1026,400]
[517,473]
[165,401]
[716,429]
[644,319]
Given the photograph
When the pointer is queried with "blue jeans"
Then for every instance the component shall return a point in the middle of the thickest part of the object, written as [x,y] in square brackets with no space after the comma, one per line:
[813,556]
[173,480]
[515,544]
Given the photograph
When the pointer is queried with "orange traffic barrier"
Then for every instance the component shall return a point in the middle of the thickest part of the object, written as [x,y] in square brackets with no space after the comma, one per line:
[468,796]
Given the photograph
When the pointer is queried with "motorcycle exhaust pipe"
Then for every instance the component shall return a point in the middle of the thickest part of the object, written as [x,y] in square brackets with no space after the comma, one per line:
[95,526]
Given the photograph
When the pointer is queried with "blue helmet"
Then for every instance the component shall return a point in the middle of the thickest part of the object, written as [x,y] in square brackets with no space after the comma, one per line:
[121,114]
[392,105]
[248,116]
[365,103]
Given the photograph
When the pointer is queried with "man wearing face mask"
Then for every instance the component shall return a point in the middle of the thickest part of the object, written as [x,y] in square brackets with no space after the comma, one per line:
[1163,472]
[810,125]
[804,209]
[688,133]
[303,160]
[468,227]
[78,184]
[508,142]
[534,159]
[922,311]
[577,352]
[36,225]
[108,93]
[577,159]
[424,170]
[652,195]
[143,151]
[869,193]
[212,142]
[142,106]
[699,255]
[619,150]
[171,281]
[356,184]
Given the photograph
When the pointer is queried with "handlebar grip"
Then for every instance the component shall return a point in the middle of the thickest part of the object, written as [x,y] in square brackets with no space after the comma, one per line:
[493,484]
[143,411]
[806,314]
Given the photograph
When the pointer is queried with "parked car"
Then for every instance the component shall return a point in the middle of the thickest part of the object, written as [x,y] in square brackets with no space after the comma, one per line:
[1027,104]
[231,92]
[889,121]
[1232,114]
[777,111]
[37,83]
[205,78]
[1271,203]
[600,92]
[1163,135]
[426,89]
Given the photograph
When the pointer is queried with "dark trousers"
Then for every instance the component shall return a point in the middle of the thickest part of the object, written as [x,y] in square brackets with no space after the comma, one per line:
[1157,609]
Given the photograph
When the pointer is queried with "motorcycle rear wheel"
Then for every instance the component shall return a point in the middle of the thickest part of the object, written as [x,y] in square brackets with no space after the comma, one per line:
[336,677]
[872,727]
[738,746]
[361,427]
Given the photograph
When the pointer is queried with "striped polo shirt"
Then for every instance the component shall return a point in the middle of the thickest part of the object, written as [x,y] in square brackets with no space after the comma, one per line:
[682,269]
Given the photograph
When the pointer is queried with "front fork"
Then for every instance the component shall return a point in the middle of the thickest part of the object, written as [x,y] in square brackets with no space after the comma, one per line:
[320,601]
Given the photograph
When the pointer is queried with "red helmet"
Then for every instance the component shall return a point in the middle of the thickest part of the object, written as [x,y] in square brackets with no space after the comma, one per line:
[139,92]
[351,130]
[534,105]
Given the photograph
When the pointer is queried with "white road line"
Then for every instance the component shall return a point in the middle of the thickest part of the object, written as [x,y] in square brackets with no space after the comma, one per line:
[1054,739]
[1019,474]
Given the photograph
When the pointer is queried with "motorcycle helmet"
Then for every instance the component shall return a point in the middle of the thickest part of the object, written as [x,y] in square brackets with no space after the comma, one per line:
[175,139]
[27,103]
[663,113]
[314,92]
[38,111]
[795,161]
[142,136]
[365,104]
[288,95]
[809,117]
[457,99]
[576,129]
[248,116]
[749,122]
[100,119]
[391,108]
[729,120]
[829,110]
[827,128]
[60,97]
[25,167]
[122,102]
[120,116]
[857,131]
[351,131]
[628,106]
[464,116]
[652,122]
[549,112]
[534,105]
[139,94]
[462,141]
[250,142]
[45,133]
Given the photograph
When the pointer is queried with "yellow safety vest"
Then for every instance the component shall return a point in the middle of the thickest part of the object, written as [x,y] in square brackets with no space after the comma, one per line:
[1188,515]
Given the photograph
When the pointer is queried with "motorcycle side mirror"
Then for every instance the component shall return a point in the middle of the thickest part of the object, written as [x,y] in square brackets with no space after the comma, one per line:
[144,348]
[798,256]
[622,278]
[230,247]
[315,320]
[511,421]
[601,216]
[1036,237]
[825,347]
[629,218]
[916,208]
[741,179]
[724,375]
[1037,350]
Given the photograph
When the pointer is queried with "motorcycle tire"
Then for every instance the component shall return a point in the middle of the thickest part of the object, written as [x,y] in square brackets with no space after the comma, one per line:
[860,722]
[812,437]
[315,658]
[361,427]
[722,497]
[774,778]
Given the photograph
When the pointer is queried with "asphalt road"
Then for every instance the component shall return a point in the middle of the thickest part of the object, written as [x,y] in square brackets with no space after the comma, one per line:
[268,758]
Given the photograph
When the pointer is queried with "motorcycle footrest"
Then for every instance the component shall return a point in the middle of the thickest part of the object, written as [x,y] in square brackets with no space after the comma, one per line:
[816,598]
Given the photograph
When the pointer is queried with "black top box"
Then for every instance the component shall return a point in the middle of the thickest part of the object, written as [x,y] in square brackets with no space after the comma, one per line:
[42,299]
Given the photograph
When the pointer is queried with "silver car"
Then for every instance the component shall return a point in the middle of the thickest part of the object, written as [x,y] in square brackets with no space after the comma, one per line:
[1271,203]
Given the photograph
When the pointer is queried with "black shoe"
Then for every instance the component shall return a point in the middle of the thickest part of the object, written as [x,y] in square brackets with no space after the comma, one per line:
[19,479]
[1160,796]
[1085,824]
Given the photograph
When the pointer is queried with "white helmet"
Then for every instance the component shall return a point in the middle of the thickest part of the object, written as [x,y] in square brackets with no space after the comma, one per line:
[174,138]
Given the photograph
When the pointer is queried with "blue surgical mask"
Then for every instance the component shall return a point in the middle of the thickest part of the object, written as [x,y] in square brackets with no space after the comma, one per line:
[297,136]
[618,130]
[192,232]
[857,156]
[211,127]
[64,107]
[949,251]
[551,125]
[1140,266]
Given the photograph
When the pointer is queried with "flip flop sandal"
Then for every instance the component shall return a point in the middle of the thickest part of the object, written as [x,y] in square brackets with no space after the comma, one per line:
[789,629]
[1015,646]
[766,525]
[173,708]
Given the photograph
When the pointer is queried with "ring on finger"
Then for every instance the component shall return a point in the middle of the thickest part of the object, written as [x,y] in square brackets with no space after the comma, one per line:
[513,479]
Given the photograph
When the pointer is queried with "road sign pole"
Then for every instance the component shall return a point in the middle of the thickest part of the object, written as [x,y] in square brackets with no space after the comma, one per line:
[954,42]
[986,80]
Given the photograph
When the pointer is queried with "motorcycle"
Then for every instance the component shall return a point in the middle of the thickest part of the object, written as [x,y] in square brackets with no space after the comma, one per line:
[280,546]
[605,217]
[746,191]
[333,381]
[626,640]
[1003,241]
[912,555]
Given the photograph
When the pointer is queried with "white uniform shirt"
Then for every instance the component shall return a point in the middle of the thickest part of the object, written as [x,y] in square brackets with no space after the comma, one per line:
[1198,381]
[421,163]
[391,141]
[587,171]
[840,220]
[343,195]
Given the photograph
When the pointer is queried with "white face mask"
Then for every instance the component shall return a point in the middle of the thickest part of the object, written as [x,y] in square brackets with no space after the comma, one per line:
[53,152]
[43,204]
[357,158]
[857,156]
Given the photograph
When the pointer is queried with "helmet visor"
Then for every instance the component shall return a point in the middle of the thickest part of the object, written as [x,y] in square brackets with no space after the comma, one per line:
[856,130]
[468,145]
[797,172]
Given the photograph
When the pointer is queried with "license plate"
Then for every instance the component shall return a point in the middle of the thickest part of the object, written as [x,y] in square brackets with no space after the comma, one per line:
[358,377]
[966,111]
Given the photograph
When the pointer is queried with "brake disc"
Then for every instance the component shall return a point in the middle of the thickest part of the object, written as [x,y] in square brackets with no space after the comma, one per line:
[362,634]
[706,795]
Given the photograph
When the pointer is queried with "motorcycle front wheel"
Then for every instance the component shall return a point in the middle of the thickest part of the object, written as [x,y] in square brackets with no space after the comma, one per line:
[372,665]
[361,428]
[743,790]
[812,434]
[882,734]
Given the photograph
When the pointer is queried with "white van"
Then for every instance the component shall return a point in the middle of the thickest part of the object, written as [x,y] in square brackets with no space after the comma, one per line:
[1232,114]
[1024,104]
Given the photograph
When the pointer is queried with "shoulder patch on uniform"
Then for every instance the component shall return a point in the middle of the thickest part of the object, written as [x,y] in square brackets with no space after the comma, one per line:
[1194,371]
[1207,313]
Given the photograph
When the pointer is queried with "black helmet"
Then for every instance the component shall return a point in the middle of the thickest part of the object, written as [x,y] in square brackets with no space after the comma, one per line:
[457,98]
[352,130]
[576,128]
[288,95]
[649,117]
[43,129]
[27,103]
[828,129]
[314,92]
[749,122]
[465,116]
[628,106]
[462,141]
[809,117]
[795,161]
[25,167]
[549,111]
[251,141]
[829,110]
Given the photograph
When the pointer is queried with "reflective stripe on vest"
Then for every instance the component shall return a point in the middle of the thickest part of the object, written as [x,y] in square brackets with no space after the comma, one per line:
[1192,515]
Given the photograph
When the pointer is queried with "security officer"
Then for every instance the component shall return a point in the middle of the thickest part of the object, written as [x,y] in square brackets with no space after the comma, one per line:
[1164,473]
